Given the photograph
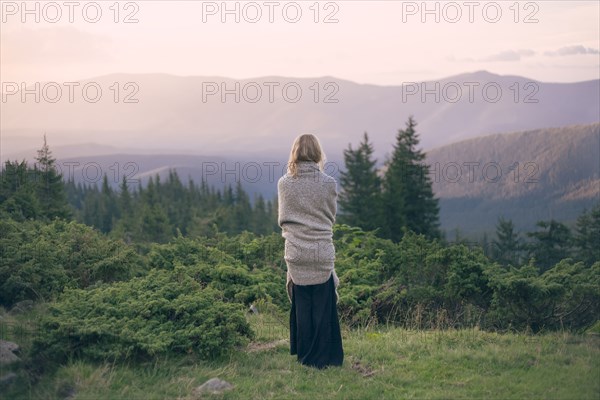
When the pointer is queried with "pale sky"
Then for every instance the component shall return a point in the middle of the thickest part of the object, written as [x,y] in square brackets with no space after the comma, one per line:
[378,42]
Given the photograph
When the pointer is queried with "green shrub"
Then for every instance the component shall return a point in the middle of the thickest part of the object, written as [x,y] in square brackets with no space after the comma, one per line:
[362,259]
[40,259]
[416,282]
[219,270]
[435,287]
[565,296]
[253,250]
[163,312]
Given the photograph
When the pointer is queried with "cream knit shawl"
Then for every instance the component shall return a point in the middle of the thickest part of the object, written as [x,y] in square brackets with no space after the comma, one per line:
[307,209]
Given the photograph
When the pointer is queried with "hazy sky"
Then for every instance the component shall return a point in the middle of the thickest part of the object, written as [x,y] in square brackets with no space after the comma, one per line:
[380,42]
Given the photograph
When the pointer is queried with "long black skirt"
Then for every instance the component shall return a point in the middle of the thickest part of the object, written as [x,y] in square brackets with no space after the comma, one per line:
[314,325]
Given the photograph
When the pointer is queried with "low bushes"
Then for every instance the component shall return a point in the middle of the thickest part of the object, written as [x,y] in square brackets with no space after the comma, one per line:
[165,311]
[567,296]
[38,260]
[217,269]
[193,291]
[422,284]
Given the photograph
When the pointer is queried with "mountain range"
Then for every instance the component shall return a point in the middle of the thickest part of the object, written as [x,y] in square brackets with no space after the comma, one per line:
[201,115]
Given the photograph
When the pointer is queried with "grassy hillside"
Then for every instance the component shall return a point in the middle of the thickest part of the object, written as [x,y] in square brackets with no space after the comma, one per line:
[382,363]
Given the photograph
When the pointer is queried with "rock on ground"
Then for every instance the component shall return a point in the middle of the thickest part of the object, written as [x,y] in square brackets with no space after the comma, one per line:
[7,355]
[252,347]
[213,386]
[21,307]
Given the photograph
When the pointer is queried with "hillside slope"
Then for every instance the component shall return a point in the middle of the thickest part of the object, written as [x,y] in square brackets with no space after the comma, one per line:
[525,176]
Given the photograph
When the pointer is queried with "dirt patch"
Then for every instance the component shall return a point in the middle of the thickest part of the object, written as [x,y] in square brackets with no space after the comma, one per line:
[363,369]
[254,347]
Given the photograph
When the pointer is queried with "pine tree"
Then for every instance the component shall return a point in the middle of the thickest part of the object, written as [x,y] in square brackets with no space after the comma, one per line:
[125,227]
[242,209]
[154,222]
[18,197]
[272,212]
[587,236]
[485,245]
[507,246]
[360,197]
[125,200]
[551,244]
[408,200]
[108,207]
[260,218]
[91,208]
[50,187]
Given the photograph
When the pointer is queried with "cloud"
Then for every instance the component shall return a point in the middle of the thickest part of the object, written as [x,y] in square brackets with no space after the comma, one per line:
[452,58]
[571,50]
[510,55]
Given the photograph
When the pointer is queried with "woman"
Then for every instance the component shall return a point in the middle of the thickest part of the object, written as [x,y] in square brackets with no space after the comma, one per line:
[307,208]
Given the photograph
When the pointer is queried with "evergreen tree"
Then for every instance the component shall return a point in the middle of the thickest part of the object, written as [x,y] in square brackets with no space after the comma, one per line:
[228,196]
[242,209]
[125,200]
[154,224]
[551,244]
[72,194]
[485,245]
[50,187]
[272,212]
[125,227]
[91,210]
[587,236]
[408,200]
[108,207]
[18,197]
[507,245]
[360,197]
[260,218]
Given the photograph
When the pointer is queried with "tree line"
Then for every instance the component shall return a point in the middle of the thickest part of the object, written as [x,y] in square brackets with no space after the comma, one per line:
[142,214]
[390,201]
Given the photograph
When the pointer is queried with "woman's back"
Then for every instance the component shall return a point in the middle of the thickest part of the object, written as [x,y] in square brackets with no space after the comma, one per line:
[307,204]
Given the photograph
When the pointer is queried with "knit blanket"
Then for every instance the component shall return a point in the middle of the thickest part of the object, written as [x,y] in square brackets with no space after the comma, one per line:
[306,214]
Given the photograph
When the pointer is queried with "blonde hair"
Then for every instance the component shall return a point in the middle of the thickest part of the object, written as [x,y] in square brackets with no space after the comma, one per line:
[306,147]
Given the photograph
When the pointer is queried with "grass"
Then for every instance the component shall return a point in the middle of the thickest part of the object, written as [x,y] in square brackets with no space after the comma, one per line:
[380,363]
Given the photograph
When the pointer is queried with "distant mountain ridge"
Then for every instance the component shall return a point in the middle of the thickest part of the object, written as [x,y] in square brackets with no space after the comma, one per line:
[525,176]
[179,113]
